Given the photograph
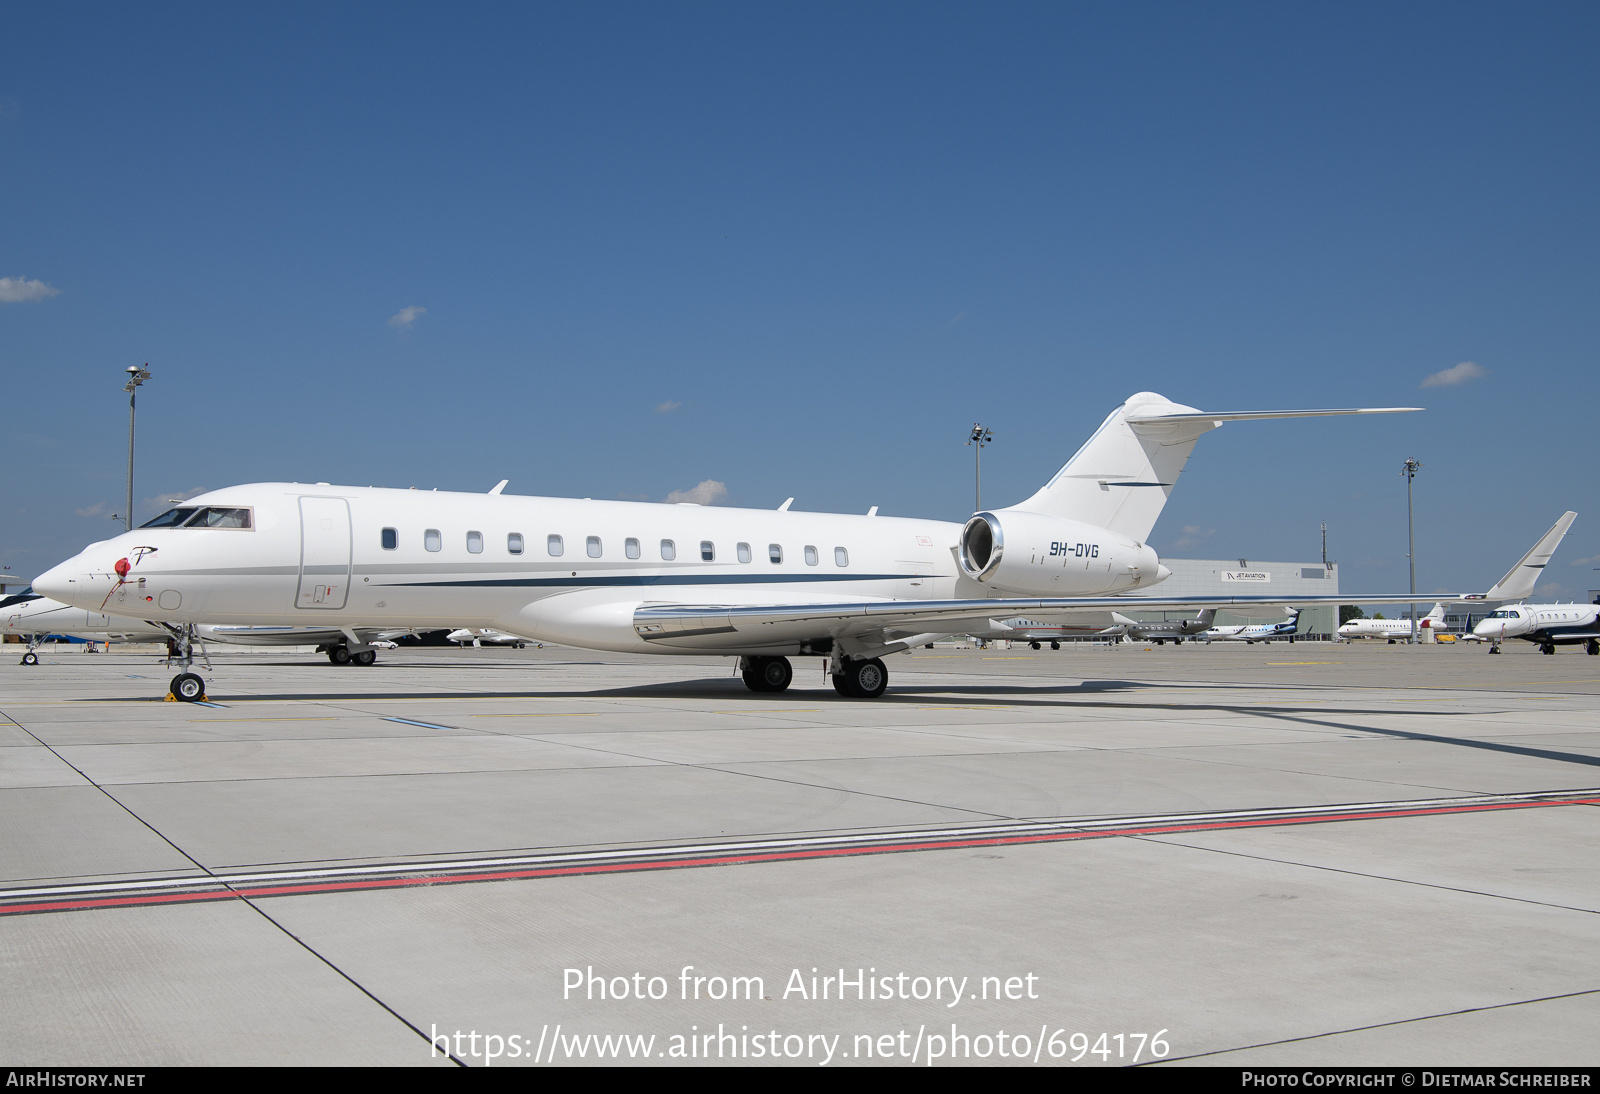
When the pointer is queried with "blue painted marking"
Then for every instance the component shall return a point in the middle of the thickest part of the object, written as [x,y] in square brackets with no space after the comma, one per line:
[582,580]
[424,725]
[214,706]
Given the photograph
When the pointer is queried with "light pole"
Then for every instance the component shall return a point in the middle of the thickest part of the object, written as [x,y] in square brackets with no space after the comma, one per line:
[1410,472]
[980,437]
[136,376]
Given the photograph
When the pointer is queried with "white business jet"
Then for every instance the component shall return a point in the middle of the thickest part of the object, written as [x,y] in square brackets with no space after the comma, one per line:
[762,585]
[1395,630]
[1255,632]
[37,617]
[1546,625]
[483,636]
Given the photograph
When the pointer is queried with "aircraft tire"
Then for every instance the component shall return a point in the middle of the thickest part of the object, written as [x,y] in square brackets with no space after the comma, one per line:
[1591,647]
[768,674]
[1033,645]
[1548,648]
[339,655]
[862,679]
[365,657]
[30,658]
[186,687]
[1055,645]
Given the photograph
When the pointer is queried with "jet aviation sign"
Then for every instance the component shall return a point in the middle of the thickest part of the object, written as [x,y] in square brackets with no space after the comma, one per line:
[1247,575]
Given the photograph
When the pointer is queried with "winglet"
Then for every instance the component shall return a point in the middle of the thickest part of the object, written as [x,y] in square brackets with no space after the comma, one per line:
[499,486]
[784,508]
[1519,582]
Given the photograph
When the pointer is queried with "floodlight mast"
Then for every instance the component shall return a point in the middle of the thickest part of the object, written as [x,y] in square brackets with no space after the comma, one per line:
[136,376]
[1412,466]
[980,437]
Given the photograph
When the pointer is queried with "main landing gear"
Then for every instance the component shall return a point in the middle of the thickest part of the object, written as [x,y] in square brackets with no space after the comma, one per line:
[186,687]
[863,679]
[341,655]
[1591,647]
[766,673]
[860,679]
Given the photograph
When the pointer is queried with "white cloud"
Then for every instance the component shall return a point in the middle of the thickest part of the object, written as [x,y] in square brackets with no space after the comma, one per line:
[667,407]
[1584,561]
[402,319]
[98,509]
[708,492]
[1193,536]
[162,502]
[19,290]
[1460,374]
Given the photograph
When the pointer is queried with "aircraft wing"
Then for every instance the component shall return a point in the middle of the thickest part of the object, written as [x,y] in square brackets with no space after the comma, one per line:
[884,626]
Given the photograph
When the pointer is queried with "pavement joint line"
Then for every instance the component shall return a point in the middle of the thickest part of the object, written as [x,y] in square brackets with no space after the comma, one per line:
[210,885]
[231,893]
[1382,1025]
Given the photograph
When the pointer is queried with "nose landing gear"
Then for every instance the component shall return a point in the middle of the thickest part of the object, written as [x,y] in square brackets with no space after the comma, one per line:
[186,687]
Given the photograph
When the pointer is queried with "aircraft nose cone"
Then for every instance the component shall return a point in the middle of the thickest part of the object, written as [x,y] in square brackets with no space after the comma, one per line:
[1162,573]
[54,582]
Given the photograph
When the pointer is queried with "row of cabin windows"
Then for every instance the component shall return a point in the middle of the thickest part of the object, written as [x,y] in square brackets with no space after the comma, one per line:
[432,540]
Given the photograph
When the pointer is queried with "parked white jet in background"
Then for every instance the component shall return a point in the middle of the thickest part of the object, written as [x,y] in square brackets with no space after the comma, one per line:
[1547,625]
[482,636]
[38,617]
[1395,630]
[763,585]
[1255,632]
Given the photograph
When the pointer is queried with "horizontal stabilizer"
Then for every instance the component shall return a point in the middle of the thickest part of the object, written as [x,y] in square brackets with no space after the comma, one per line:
[1259,415]
[1518,583]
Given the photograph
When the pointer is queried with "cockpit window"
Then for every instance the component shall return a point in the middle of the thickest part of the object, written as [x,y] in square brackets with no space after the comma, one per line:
[171,518]
[216,516]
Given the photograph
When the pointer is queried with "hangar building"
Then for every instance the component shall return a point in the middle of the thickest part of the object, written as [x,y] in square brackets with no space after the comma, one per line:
[1242,577]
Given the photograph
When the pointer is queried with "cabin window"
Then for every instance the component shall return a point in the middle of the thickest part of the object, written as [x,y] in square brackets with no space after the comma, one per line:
[593,546]
[744,552]
[708,551]
[553,545]
[432,540]
[630,547]
[514,543]
[474,543]
[390,539]
[841,557]
[811,555]
[775,553]
[669,550]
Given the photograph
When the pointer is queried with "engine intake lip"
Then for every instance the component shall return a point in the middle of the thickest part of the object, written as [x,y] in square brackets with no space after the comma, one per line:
[982,545]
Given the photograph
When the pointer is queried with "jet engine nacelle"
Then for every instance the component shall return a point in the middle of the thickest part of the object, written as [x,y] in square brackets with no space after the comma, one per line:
[1030,554]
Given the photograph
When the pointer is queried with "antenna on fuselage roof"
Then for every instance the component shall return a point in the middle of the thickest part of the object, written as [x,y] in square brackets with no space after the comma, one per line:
[784,508]
[499,486]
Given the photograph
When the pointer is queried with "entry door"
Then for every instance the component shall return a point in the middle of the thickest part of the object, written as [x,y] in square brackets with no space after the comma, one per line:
[324,553]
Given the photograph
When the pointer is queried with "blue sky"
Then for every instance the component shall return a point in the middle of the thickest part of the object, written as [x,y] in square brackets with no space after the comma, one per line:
[800,250]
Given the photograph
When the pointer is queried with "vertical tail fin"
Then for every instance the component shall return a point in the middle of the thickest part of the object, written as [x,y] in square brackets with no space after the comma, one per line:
[1519,582]
[1122,476]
